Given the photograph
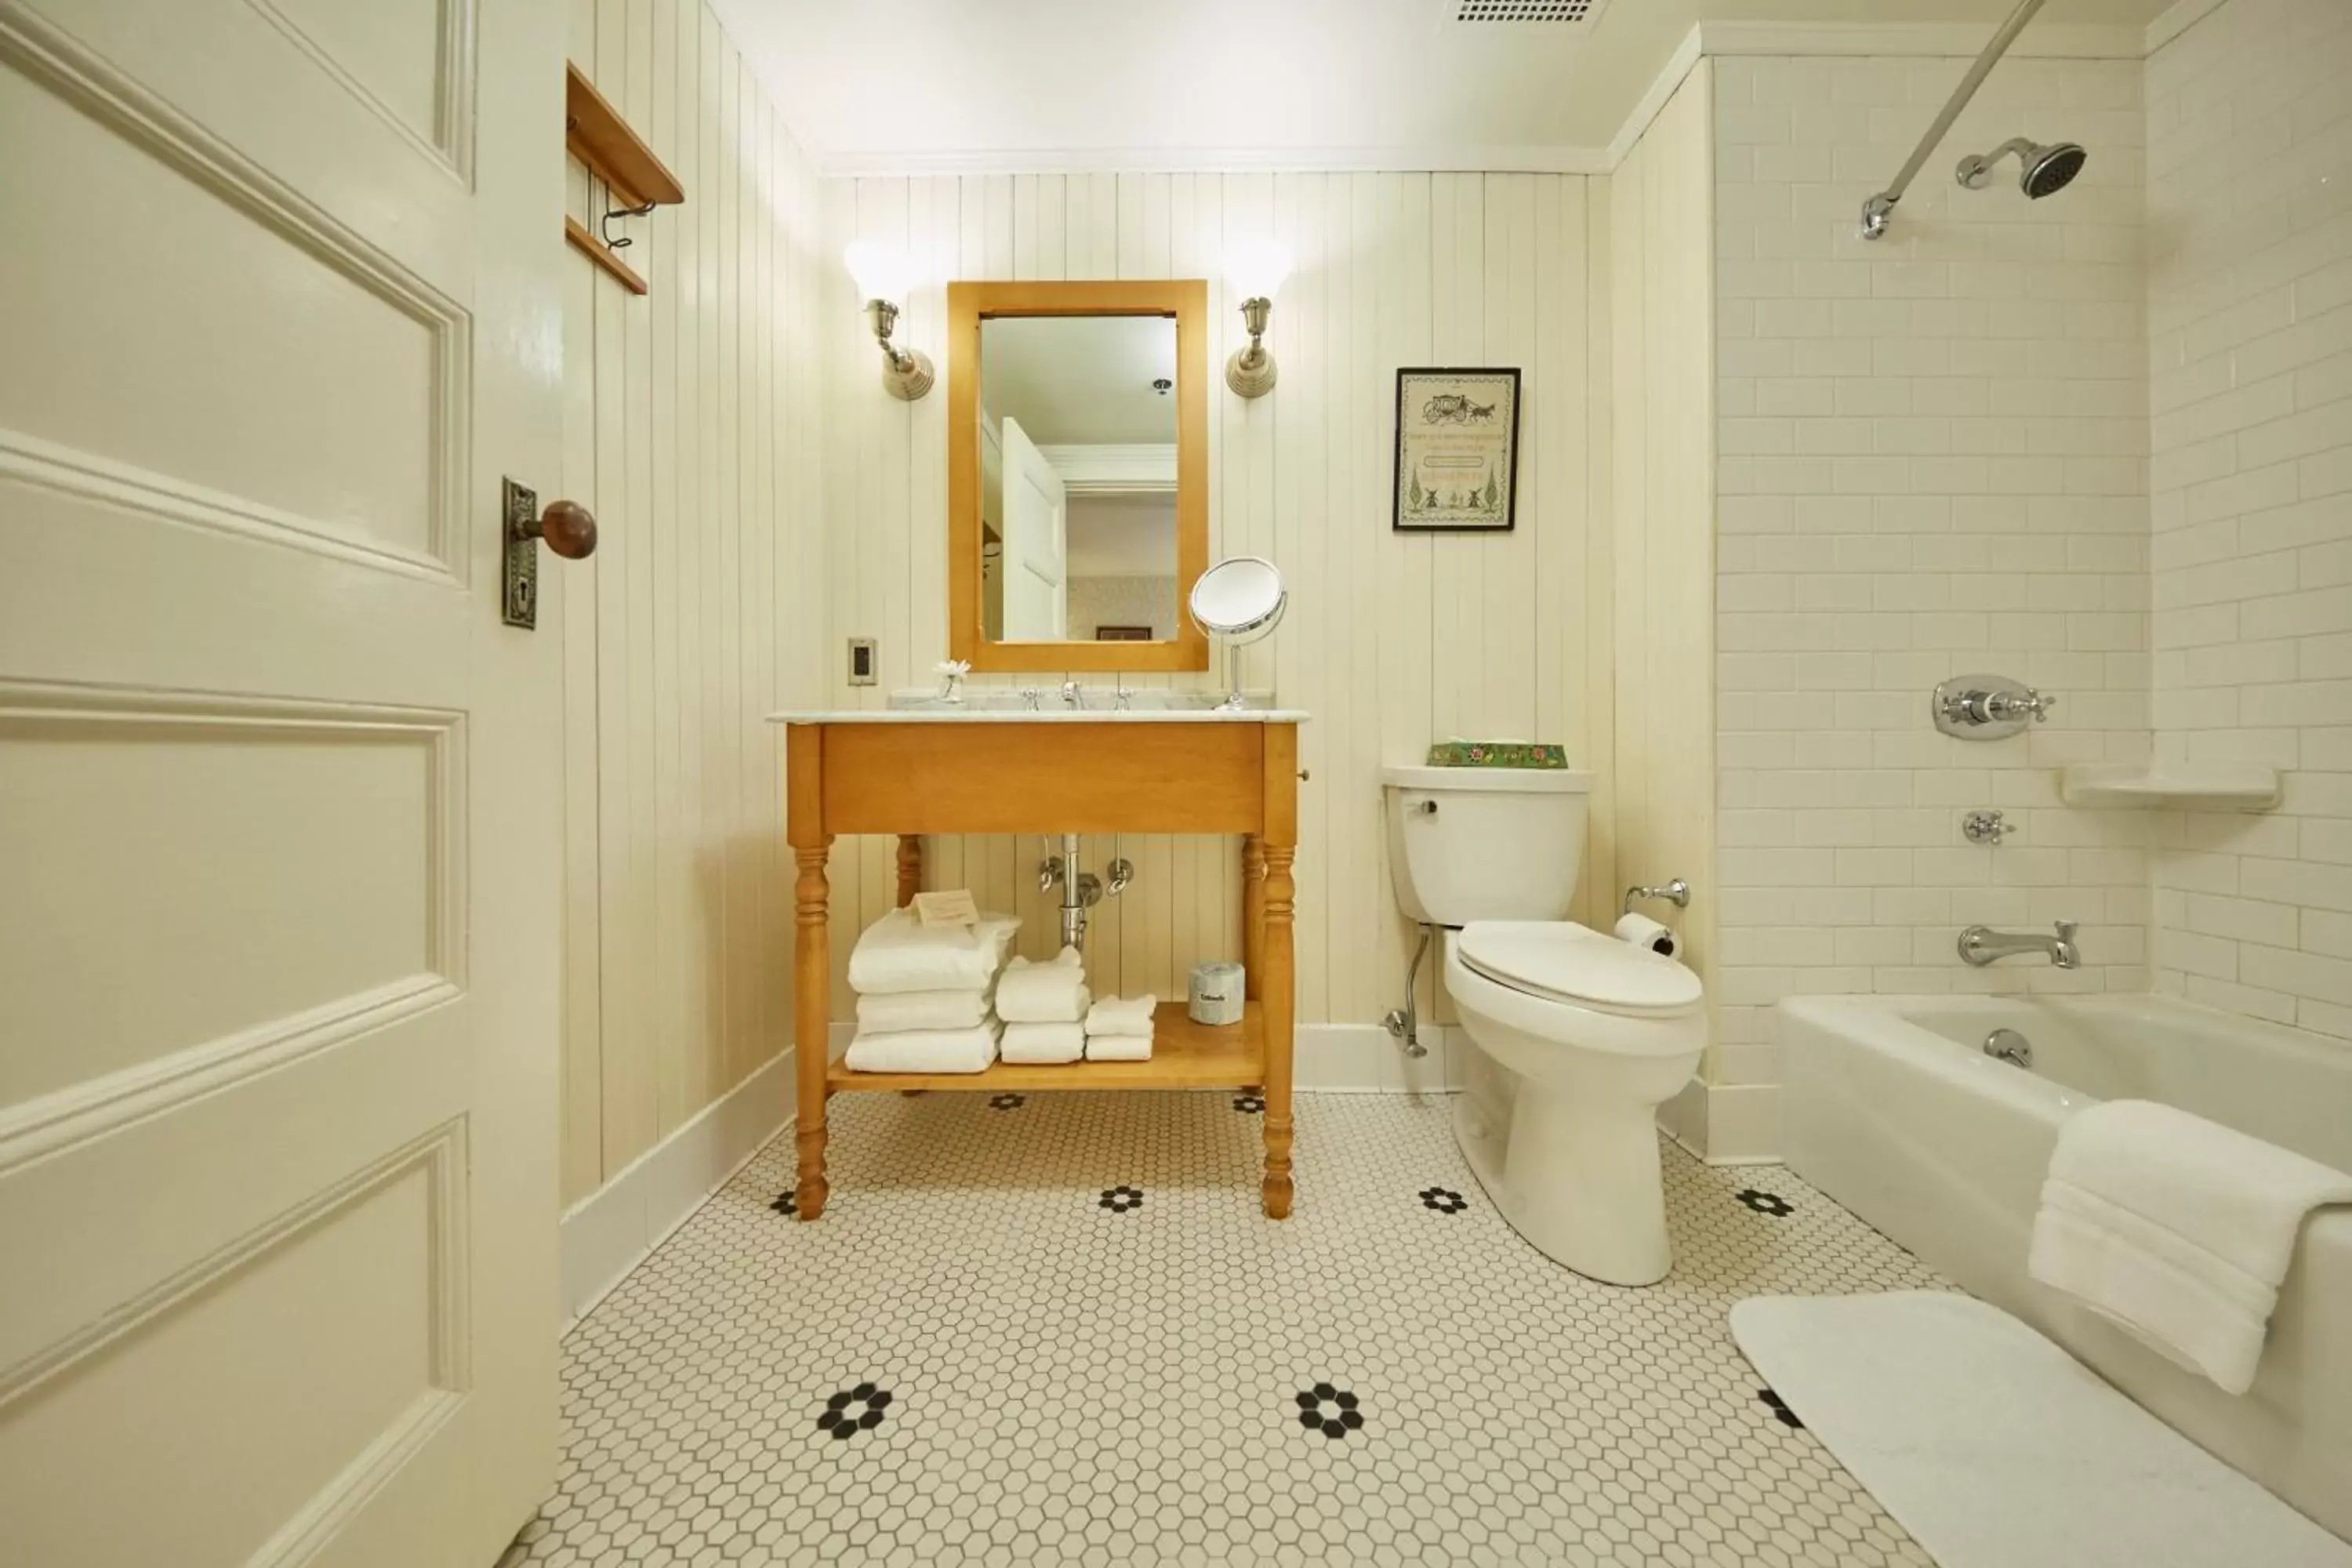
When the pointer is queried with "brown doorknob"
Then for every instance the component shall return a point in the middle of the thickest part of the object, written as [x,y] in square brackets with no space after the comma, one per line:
[568,528]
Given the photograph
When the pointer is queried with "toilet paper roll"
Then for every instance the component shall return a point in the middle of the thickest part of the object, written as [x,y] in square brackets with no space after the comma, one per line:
[1216,993]
[1644,933]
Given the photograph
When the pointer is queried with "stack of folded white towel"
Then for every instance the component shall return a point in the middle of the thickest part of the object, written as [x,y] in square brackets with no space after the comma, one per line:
[1044,1006]
[1119,1030]
[925,993]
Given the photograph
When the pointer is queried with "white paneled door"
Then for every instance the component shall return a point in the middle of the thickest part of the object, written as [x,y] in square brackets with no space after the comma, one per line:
[279,794]
[1036,541]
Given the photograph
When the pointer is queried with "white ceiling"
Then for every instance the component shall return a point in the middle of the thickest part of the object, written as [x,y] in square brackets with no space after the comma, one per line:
[1080,381]
[1049,83]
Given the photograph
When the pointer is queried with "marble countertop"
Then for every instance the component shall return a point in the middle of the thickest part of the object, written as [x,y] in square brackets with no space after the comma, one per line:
[944,715]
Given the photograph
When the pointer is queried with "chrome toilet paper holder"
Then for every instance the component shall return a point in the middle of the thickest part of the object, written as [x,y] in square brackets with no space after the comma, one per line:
[1676,892]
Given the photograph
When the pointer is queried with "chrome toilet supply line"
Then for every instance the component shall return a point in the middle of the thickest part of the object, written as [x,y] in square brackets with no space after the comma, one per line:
[1403,1024]
[1676,892]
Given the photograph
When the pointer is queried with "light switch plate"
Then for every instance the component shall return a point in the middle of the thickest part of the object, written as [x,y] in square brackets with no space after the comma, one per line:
[863,662]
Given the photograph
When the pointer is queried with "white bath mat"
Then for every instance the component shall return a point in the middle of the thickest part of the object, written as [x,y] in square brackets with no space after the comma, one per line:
[1997,1450]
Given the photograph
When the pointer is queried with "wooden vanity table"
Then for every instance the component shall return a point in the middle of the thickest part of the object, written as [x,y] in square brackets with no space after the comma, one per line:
[913,772]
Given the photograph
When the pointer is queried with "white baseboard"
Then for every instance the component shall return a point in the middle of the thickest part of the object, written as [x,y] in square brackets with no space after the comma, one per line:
[1725,1124]
[612,1231]
[1743,1124]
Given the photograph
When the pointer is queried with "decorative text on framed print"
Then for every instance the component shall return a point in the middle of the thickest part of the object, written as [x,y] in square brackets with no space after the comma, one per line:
[1457,450]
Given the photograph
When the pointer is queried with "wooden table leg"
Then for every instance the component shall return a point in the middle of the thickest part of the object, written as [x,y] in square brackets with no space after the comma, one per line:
[813,1026]
[1279,1004]
[804,828]
[1253,916]
[910,867]
[1278,996]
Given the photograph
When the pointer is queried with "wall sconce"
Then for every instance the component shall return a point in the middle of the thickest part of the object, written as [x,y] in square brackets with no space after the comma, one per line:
[882,275]
[1254,269]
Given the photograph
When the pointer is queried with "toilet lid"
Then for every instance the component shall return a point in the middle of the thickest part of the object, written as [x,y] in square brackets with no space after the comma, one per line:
[1575,964]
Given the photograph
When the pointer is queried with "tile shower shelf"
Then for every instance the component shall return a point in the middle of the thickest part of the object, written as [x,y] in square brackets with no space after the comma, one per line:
[2213,786]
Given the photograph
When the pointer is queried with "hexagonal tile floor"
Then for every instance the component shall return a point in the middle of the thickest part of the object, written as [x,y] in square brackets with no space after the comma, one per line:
[1060,1331]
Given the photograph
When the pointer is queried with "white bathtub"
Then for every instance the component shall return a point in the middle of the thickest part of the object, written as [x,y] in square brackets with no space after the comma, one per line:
[1892,1109]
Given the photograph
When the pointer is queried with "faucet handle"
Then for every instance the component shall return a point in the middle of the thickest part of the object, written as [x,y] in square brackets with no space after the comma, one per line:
[2033,704]
[2066,929]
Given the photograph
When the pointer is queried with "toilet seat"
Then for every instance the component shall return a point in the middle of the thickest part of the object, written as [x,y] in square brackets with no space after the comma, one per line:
[1560,961]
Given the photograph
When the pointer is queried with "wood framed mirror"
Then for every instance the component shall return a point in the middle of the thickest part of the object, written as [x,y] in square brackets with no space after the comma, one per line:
[1077,474]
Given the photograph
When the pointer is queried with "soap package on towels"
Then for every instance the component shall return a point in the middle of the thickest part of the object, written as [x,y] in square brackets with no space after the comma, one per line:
[1053,992]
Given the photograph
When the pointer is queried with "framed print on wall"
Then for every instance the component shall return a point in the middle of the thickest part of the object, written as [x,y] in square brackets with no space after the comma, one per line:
[1457,451]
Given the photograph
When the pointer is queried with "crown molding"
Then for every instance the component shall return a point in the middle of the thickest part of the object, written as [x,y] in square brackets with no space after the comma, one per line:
[1895,41]
[1920,40]
[2170,24]
[1221,161]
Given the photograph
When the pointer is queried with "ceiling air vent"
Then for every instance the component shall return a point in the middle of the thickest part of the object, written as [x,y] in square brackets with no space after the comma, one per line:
[1563,12]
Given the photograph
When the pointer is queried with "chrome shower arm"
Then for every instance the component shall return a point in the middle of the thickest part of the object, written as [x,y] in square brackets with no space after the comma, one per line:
[1880,209]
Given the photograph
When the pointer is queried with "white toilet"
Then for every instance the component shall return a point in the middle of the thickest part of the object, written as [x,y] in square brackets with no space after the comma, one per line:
[1579,1037]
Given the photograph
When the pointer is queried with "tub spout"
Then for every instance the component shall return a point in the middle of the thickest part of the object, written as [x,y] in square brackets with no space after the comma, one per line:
[1981,945]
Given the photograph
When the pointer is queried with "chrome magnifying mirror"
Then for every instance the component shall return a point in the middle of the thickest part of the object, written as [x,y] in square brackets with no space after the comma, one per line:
[1238,602]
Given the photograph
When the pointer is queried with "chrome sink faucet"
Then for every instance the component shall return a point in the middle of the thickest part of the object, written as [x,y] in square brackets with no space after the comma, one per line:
[1070,694]
[1981,945]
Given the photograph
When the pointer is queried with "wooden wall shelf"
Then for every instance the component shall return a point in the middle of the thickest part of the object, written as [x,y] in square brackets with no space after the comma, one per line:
[602,255]
[595,133]
[598,136]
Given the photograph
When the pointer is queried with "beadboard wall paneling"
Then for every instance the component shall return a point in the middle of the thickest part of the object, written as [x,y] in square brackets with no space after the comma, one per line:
[691,431]
[1661,278]
[2250,334]
[1391,640]
[1933,461]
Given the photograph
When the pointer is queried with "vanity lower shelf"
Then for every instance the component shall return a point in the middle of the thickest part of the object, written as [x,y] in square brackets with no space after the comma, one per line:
[1185,1055]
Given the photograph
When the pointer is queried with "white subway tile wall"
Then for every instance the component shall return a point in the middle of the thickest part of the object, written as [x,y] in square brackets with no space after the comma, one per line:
[1933,462]
[2250,383]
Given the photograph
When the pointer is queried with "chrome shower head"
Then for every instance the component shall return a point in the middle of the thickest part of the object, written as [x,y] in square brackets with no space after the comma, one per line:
[2044,169]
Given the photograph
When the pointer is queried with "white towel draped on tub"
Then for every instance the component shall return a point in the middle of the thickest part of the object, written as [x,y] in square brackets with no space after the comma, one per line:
[1116,1016]
[2177,1230]
[898,952]
[925,1050]
[1053,992]
[1042,1043]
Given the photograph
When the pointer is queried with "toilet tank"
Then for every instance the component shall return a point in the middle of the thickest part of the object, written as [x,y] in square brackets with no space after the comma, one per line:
[1485,844]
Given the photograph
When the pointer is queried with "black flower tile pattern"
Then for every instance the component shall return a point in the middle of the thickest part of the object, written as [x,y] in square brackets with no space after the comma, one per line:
[1045,1412]
[1250,1104]
[1772,1204]
[788,1202]
[1780,1411]
[854,1410]
[1119,1200]
[1445,1200]
[1007,1101]
[1328,1410]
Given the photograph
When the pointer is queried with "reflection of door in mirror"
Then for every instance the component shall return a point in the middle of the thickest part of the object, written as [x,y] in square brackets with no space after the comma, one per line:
[1037,523]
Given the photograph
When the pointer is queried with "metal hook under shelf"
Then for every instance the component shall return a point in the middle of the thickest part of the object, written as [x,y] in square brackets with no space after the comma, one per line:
[603,226]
